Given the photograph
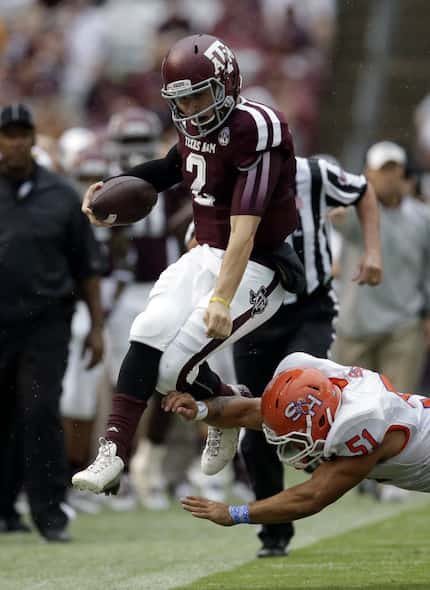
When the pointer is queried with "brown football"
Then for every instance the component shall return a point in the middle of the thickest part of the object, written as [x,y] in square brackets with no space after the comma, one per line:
[123,200]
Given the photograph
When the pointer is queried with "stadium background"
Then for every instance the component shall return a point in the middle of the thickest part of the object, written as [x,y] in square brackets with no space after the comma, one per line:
[347,74]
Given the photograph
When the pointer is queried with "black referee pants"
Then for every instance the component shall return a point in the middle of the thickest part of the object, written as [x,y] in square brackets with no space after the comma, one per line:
[33,357]
[306,326]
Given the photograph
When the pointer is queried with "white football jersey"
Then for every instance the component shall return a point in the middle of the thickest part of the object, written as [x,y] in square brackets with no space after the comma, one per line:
[369,409]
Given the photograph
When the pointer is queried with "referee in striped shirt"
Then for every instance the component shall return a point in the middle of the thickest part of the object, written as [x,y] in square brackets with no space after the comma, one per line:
[304,323]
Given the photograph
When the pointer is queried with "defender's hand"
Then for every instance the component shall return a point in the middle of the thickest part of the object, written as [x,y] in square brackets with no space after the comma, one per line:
[369,270]
[217,512]
[218,320]
[180,403]
[86,205]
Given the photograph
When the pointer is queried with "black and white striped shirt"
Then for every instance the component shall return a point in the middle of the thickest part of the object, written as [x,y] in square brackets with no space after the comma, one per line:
[320,185]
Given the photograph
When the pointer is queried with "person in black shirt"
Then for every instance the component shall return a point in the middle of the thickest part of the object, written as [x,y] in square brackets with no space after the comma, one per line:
[48,258]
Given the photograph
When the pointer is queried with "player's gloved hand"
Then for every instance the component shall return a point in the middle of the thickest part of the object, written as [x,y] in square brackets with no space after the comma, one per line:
[86,205]
[369,270]
[180,403]
[217,512]
[218,320]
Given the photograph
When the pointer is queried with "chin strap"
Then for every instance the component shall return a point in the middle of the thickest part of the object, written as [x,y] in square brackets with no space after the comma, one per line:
[309,425]
[329,416]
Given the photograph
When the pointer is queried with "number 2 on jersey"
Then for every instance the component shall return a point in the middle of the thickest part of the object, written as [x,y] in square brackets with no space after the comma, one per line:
[197,162]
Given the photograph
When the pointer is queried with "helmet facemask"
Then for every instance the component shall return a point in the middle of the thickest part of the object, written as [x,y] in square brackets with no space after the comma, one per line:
[298,449]
[208,119]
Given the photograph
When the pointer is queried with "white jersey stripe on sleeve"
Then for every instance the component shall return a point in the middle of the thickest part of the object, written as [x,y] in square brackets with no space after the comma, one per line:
[264,180]
[277,134]
[249,188]
[260,122]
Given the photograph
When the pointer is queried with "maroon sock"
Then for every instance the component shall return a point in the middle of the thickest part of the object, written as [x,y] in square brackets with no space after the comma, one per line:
[226,390]
[123,420]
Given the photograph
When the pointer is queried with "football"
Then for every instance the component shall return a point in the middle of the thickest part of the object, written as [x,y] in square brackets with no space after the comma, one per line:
[123,200]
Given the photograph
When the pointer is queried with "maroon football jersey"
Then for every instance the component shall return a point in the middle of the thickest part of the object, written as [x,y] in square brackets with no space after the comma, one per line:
[245,167]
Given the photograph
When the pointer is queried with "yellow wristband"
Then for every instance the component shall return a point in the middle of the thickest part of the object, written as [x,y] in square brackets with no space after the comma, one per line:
[220,300]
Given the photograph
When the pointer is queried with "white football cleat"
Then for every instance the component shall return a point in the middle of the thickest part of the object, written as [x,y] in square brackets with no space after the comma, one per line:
[126,498]
[221,443]
[388,493]
[83,501]
[146,470]
[104,474]
[220,448]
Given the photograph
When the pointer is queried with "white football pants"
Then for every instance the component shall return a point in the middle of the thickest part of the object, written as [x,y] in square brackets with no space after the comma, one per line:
[173,319]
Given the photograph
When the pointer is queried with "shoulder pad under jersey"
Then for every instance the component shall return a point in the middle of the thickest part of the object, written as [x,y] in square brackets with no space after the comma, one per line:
[360,423]
[308,361]
[256,128]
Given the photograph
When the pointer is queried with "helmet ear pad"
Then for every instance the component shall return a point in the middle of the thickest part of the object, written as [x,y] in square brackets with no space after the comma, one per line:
[298,408]
[196,64]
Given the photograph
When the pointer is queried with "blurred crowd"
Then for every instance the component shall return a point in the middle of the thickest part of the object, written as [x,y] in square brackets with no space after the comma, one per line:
[80,61]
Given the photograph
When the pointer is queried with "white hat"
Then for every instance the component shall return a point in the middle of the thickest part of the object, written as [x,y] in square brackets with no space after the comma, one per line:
[383,152]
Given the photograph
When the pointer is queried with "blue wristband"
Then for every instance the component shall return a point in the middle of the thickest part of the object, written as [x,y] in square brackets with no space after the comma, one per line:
[239,514]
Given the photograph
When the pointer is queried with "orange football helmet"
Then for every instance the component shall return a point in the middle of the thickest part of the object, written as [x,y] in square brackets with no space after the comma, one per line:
[298,408]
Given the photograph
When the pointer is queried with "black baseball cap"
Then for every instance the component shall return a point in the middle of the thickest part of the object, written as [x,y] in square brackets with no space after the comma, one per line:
[16,114]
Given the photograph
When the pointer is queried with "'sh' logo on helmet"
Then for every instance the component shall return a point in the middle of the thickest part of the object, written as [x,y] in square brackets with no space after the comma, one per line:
[221,57]
[298,408]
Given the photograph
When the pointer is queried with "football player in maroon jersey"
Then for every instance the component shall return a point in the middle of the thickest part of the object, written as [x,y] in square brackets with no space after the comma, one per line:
[237,159]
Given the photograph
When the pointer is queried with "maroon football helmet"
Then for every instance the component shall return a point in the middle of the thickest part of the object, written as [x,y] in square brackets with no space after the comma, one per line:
[195,64]
[134,134]
[92,165]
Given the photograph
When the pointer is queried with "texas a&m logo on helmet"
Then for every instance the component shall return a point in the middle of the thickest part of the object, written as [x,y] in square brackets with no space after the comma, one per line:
[193,66]
[221,56]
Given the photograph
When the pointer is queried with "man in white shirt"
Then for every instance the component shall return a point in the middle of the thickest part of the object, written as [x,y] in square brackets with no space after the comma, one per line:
[387,327]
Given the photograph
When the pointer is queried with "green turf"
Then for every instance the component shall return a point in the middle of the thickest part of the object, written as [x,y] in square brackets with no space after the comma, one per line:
[144,550]
[390,555]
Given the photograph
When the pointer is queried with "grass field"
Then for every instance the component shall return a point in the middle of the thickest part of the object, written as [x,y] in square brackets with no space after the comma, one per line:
[155,551]
[392,554]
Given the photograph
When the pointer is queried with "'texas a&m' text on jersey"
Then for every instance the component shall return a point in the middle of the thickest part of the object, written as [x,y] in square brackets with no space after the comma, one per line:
[245,167]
